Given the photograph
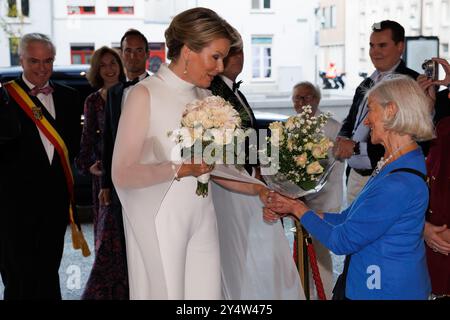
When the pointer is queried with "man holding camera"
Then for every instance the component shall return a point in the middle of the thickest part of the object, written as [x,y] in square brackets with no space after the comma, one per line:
[353,141]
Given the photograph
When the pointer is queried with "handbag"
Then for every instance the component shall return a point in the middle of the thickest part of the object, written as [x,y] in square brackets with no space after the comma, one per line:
[339,287]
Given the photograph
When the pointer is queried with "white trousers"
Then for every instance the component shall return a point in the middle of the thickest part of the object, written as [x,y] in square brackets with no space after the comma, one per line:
[190,253]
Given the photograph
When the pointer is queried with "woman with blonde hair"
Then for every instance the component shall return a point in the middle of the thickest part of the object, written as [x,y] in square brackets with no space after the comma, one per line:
[171,233]
[382,229]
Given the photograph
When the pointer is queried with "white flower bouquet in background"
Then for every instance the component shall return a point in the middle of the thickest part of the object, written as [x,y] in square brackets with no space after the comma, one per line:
[209,131]
[300,163]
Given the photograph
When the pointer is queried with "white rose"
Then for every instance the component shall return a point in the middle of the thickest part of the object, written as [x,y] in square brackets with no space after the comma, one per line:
[314,168]
[301,160]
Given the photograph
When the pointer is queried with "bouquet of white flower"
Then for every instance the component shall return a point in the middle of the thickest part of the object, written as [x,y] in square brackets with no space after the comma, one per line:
[208,132]
[299,155]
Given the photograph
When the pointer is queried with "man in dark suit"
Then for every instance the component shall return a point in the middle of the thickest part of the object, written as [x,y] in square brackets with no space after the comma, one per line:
[34,189]
[387,42]
[225,86]
[134,51]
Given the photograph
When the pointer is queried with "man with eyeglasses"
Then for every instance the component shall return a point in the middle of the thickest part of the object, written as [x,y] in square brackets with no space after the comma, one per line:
[329,199]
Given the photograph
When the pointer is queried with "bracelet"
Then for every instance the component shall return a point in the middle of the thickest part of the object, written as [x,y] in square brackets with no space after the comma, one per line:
[175,172]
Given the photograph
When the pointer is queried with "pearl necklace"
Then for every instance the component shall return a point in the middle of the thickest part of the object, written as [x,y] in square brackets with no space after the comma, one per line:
[383,161]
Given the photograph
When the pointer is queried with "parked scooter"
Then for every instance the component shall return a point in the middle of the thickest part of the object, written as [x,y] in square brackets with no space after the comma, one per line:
[334,83]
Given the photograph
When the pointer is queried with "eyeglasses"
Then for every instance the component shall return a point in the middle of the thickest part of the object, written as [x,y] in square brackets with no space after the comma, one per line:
[306,98]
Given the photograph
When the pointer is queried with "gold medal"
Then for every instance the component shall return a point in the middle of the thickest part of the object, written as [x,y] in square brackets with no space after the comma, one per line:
[37,112]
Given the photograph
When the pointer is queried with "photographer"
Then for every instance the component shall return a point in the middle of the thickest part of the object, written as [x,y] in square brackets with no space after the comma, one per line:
[437,232]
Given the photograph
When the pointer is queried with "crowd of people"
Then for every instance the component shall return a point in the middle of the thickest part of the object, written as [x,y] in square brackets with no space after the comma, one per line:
[154,238]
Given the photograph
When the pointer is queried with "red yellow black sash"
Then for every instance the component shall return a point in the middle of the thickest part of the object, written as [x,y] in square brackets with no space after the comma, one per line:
[35,114]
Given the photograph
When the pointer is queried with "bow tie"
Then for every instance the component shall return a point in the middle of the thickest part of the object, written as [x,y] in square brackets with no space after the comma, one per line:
[45,90]
[236,85]
[131,82]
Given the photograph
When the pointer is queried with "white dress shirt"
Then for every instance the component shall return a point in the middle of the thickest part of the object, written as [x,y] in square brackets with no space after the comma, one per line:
[47,101]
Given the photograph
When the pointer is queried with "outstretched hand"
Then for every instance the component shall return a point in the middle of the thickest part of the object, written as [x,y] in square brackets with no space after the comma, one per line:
[281,205]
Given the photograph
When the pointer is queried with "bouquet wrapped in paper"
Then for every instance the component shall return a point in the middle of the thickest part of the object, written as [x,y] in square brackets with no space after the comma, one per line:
[299,155]
[208,132]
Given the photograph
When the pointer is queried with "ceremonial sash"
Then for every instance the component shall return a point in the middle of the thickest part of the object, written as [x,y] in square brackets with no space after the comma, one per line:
[35,114]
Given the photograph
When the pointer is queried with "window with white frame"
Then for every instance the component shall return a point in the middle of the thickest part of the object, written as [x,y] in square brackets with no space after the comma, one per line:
[260,4]
[414,16]
[325,21]
[14,51]
[444,49]
[399,10]
[445,12]
[362,23]
[80,7]
[18,8]
[429,15]
[120,7]
[333,17]
[362,54]
[329,17]
[262,57]
[81,53]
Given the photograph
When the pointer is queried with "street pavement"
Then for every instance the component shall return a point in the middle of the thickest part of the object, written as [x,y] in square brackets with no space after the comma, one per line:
[75,269]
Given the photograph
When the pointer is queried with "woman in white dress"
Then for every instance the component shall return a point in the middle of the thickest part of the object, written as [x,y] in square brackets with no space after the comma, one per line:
[171,234]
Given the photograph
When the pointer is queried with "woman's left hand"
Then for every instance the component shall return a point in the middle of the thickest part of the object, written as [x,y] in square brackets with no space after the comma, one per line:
[95,169]
[270,216]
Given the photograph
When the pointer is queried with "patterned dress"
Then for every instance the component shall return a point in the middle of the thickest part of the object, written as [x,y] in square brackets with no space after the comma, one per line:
[108,279]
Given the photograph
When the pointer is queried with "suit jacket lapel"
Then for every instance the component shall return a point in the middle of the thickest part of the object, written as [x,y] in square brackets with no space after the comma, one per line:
[220,88]
[248,109]
[116,106]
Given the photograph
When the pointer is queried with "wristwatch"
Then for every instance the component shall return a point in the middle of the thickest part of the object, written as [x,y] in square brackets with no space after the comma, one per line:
[356,148]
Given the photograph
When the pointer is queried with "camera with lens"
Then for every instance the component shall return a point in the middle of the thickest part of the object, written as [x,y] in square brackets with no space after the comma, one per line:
[431,69]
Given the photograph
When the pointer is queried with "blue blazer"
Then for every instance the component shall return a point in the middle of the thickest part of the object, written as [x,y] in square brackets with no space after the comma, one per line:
[382,229]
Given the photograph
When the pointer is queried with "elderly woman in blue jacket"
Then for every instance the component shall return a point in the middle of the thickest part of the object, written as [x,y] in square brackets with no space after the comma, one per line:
[382,229]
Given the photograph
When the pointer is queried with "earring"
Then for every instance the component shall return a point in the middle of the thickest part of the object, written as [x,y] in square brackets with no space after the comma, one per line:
[185,67]
[186,63]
